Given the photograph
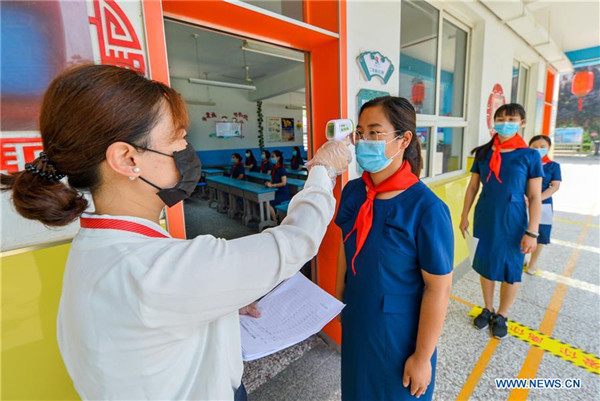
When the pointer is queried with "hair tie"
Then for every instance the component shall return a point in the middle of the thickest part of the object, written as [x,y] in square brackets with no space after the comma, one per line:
[43,167]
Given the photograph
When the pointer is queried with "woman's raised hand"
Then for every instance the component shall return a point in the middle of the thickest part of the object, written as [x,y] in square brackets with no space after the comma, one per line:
[334,156]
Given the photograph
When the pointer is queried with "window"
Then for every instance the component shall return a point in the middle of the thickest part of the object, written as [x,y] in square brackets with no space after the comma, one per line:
[304,129]
[520,78]
[434,50]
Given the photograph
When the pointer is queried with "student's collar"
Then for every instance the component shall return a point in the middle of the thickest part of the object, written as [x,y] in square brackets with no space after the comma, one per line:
[123,223]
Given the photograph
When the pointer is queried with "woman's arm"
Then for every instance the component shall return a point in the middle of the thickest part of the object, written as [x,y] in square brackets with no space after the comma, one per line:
[283,183]
[534,197]
[472,190]
[417,370]
[554,186]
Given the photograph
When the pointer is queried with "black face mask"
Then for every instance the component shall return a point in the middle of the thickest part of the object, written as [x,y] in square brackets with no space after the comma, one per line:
[189,167]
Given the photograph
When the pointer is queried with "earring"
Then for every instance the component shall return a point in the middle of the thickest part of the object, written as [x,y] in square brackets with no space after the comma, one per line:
[136,170]
[132,178]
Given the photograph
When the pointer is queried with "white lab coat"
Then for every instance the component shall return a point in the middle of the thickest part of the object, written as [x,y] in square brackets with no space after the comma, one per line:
[157,318]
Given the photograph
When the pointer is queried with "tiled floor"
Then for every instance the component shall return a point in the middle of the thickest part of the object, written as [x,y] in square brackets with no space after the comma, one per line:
[315,374]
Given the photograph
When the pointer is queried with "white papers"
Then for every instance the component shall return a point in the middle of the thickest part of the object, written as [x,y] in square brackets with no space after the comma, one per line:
[471,245]
[292,312]
[546,214]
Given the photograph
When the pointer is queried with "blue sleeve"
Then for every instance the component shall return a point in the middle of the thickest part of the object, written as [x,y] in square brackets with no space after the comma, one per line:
[536,169]
[345,211]
[269,167]
[435,240]
[283,172]
[475,167]
[556,175]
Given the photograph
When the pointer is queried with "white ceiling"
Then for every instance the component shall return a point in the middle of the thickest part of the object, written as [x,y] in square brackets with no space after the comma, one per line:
[572,24]
[220,55]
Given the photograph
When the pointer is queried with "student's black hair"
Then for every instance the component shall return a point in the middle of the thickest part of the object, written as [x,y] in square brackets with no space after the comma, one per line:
[267,154]
[538,137]
[238,157]
[250,159]
[403,117]
[509,109]
[279,155]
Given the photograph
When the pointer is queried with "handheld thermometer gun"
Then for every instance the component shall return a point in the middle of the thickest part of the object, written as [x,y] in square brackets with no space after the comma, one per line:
[338,130]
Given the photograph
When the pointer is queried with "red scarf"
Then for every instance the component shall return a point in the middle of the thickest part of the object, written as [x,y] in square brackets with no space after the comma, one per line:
[262,167]
[123,225]
[273,172]
[516,142]
[400,180]
[546,159]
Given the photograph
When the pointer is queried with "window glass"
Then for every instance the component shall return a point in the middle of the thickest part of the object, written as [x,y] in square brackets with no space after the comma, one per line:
[452,78]
[418,54]
[424,136]
[448,150]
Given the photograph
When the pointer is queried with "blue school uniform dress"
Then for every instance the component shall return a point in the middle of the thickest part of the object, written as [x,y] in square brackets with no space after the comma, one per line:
[501,214]
[551,173]
[237,170]
[296,162]
[283,193]
[410,232]
[265,167]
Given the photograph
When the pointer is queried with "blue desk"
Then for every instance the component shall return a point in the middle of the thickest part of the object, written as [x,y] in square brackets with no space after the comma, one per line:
[299,174]
[211,172]
[294,184]
[252,194]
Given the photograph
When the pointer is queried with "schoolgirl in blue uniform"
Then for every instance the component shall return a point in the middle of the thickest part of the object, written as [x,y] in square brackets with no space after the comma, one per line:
[266,166]
[550,184]
[509,171]
[297,162]
[251,162]
[279,181]
[237,170]
[395,264]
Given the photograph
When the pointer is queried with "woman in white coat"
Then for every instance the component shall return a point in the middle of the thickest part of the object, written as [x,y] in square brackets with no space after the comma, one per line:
[143,315]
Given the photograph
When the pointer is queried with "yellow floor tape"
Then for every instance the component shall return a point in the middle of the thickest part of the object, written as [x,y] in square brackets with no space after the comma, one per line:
[576,356]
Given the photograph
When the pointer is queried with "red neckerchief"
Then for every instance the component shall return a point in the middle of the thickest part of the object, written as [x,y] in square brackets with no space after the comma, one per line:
[294,158]
[237,164]
[546,159]
[400,180]
[262,167]
[123,225]
[516,142]
[273,172]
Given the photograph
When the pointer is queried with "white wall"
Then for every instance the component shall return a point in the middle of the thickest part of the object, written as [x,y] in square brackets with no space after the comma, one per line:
[227,102]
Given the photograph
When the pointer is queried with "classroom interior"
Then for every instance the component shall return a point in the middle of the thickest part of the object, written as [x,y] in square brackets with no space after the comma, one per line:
[235,88]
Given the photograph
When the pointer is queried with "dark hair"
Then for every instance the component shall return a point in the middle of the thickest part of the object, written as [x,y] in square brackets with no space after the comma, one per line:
[538,137]
[297,149]
[85,110]
[403,117]
[250,159]
[238,157]
[279,155]
[267,153]
[509,109]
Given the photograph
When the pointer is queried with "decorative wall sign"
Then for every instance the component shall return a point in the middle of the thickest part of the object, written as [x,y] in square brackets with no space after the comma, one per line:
[287,130]
[364,95]
[495,100]
[273,129]
[375,64]
[227,129]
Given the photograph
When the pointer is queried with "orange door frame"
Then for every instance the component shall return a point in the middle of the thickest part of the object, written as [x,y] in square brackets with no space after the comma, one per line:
[548,102]
[324,84]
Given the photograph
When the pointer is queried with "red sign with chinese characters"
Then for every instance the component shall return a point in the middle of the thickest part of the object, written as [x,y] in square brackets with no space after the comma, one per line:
[18,150]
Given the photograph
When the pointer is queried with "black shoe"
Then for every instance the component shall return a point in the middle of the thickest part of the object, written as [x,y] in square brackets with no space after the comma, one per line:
[483,319]
[499,327]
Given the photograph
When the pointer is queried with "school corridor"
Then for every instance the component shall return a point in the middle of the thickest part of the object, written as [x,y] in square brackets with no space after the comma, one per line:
[554,324]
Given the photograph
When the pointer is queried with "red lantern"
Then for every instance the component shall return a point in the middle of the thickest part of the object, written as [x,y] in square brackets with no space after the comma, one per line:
[582,84]
[418,93]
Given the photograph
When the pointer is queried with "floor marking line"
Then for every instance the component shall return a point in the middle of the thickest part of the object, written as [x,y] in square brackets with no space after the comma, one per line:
[469,304]
[580,223]
[564,351]
[576,246]
[533,359]
[571,282]
[478,369]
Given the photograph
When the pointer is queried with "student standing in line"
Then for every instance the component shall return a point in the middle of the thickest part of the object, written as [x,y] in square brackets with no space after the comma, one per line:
[251,162]
[395,265]
[266,166]
[508,170]
[297,162]
[279,181]
[550,185]
[237,170]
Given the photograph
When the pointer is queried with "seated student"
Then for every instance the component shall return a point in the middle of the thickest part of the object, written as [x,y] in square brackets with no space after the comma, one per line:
[237,171]
[279,181]
[297,162]
[251,162]
[266,166]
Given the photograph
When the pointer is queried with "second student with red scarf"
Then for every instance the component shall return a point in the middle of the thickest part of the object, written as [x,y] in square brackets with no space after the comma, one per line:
[395,265]
[279,181]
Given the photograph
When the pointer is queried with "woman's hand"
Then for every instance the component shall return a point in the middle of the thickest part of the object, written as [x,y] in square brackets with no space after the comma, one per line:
[417,373]
[268,184]
[250,310]
[528,244]
[464,225]
[334,155]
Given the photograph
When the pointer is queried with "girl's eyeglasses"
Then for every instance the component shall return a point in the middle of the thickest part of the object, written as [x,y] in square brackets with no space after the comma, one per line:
[371,135]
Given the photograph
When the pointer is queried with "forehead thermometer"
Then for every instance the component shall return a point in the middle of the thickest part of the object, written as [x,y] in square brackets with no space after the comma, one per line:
[338,130]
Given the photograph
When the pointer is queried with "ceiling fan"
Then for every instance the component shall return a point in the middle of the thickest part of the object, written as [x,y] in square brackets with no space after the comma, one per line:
[247,78]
